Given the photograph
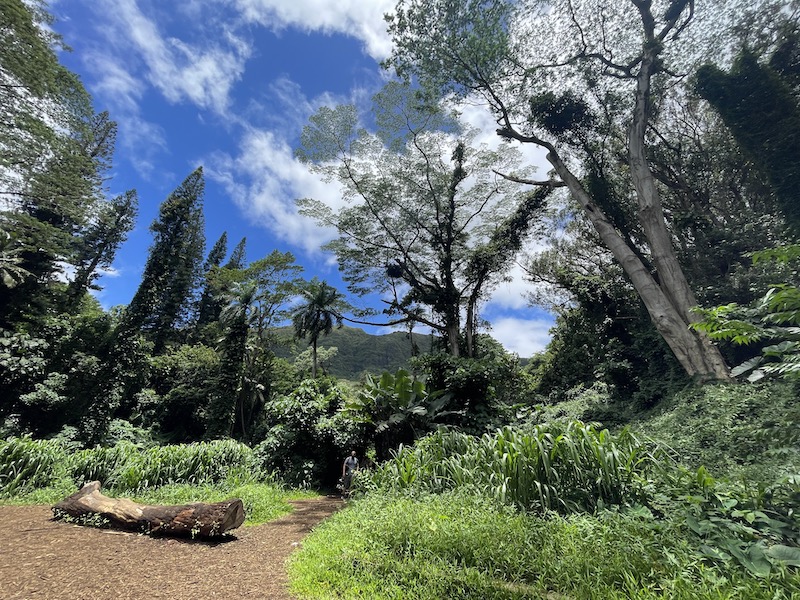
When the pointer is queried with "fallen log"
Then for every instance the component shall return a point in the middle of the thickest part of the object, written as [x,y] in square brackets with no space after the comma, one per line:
[197,519]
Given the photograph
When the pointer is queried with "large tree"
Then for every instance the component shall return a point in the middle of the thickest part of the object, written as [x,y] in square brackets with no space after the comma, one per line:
[40,99]
[255,299]
[429,222]
[55,153]
[98,244]
[760,102]
[173,265]
[209,305]
[589,83]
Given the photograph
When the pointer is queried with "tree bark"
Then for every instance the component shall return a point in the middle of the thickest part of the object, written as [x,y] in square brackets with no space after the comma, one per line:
[705,358]
[197,519]
[698,357]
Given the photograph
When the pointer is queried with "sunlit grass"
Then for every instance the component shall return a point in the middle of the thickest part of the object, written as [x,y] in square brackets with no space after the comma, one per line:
[460,546]
[44,495]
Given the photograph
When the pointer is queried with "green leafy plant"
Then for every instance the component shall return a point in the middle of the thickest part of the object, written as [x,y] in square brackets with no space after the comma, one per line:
[755,527]
[395,399]
[570,467]
[773,320]
[26,463]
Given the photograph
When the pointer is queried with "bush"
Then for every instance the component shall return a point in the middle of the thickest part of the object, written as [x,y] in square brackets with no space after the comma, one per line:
[747,431]
[26,464]
[101,464]
[483,389]
[561,467]
[309,434]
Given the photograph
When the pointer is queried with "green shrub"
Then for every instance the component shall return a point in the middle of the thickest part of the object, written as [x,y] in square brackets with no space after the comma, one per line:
[26,464]
[481,390]
[309,434]
[562,467]
[736,523]
[747,430]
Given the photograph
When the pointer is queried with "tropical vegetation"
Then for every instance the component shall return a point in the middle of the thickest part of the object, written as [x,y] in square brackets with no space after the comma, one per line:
[626,460]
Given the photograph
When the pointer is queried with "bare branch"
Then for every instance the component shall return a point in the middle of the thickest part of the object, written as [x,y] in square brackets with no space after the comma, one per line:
[552,183]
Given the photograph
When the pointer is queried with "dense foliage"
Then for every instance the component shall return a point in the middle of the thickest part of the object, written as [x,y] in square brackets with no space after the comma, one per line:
[601,468]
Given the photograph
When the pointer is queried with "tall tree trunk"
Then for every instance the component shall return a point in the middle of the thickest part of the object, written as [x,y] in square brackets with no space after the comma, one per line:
[704,355]
[452,338]
[469,327]
[697,356]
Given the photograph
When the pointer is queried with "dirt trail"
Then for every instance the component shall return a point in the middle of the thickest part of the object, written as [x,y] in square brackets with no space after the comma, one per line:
[44,559]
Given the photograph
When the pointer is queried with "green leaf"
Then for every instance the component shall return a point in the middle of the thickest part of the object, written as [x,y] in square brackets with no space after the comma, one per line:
[747,366]
[789,555]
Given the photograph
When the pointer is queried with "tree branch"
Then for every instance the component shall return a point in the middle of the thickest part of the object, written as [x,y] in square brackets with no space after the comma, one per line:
[551,183]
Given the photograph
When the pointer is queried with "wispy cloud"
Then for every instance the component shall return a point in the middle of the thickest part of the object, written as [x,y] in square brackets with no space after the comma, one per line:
[264,179]
[202,74]
[121,92]
[133,55]
[361,19]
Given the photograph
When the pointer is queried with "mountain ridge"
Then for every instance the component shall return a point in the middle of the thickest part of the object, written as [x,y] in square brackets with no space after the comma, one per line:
[360,352]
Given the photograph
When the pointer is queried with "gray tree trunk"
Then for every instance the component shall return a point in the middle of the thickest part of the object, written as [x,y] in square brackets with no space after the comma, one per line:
[699,358]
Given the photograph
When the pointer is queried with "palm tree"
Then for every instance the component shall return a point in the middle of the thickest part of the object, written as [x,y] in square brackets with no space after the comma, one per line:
[316,316]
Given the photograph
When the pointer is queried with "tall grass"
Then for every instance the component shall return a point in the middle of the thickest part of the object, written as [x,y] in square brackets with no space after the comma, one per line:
[555,467]
[27,464]
[198,464]
[462,546]
[45,471]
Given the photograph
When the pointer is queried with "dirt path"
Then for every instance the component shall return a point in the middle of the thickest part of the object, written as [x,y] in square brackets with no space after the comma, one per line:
[44,559]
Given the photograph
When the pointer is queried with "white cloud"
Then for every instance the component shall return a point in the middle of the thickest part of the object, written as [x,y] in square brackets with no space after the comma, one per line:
[180,70]
[361,19]
[135,55]
[122,92]
[526,337]
[265,179]
[511,294]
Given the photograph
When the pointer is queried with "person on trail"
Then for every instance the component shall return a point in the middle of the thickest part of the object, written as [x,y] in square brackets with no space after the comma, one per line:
[349,467]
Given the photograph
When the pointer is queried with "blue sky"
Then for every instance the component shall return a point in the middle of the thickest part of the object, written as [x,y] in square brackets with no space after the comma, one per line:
[229,84]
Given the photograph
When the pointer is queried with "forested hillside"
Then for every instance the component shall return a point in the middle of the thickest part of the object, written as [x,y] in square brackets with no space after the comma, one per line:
[649,451]
[358,352]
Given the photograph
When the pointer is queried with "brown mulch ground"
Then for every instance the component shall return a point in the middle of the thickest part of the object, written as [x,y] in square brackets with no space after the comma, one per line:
[45,559]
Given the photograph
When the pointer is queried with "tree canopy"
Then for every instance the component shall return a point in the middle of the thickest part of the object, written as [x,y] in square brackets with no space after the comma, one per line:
[430,218]
[590,83]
